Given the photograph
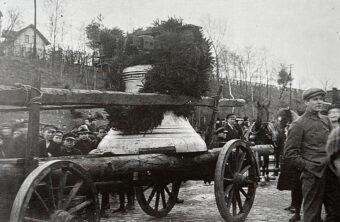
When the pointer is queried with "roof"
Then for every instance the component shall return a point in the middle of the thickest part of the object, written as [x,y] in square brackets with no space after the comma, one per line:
[14,34]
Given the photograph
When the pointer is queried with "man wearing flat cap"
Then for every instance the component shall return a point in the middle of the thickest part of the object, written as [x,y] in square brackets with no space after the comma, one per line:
[305,148]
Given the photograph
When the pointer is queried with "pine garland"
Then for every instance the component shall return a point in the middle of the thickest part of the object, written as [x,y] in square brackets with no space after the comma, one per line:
[181,65]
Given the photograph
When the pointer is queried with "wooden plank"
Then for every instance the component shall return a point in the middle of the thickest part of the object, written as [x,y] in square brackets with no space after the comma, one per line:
[65,107]
[51,96]
[32,147]
[211,125]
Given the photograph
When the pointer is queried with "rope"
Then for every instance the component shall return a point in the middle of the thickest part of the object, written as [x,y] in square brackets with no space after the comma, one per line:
[28,89]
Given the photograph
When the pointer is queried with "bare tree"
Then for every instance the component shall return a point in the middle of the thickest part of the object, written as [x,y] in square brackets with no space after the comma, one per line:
[215,31]
[55,10]
[227,64]
[13,21]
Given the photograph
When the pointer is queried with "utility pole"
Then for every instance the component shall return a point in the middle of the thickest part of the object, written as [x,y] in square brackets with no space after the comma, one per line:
[32,148]
[35,30]
[290,85]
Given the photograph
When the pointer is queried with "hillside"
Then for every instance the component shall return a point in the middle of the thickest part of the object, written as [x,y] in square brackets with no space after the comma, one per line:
[20,70]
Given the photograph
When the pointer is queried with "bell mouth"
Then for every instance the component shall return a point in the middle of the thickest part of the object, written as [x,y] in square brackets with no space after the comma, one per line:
[175,134]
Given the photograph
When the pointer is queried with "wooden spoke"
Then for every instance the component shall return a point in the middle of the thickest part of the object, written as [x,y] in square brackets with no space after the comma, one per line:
[80,206]
[62,184]
[42,201]
[240,161]
[163,199]
[50,190]
[147,187]
[228,188]
[230,180]
[234,204]
[236,154]
[29,219]
[157,200]
[230,196]
[245,169]
[73,193]
[244,193]
[249,182]
[167,190]
[239,201]
[152,195]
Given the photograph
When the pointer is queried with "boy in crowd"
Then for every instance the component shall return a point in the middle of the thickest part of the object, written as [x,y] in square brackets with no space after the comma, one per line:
[68,146]
[48,132]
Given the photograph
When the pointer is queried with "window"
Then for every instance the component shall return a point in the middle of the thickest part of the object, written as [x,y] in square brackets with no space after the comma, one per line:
[27,39]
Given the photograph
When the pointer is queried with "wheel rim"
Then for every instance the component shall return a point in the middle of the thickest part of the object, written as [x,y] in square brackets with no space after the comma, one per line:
[235,181]
[56,191]
[157,198]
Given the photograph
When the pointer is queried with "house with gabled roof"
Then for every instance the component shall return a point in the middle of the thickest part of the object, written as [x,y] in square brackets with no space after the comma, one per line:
[20,43]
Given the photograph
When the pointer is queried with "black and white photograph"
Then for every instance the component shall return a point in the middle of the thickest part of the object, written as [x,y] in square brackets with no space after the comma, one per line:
[169,110]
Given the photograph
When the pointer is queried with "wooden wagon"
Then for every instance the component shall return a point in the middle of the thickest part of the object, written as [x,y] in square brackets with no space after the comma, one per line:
[66,188]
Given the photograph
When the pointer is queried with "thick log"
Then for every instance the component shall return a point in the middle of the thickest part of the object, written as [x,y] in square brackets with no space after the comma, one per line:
[51,96]
[123,165]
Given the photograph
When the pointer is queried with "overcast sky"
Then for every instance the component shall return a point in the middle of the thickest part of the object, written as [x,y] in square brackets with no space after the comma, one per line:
[304,33]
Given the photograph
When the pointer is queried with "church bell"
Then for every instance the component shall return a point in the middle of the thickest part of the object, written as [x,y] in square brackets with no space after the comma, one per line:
[174,135]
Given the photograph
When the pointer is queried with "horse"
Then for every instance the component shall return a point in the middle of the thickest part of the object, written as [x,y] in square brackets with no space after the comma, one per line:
[263,132]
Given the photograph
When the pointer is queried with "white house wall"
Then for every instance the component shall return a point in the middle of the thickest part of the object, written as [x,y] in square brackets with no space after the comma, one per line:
[21,48]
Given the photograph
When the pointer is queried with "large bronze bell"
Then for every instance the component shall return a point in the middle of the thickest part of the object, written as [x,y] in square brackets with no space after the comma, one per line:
[174,135]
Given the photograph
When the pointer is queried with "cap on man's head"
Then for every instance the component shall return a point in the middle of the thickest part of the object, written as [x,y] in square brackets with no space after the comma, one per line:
[229,115]
[312,92]
[69,136]
[59,132]
[46,127]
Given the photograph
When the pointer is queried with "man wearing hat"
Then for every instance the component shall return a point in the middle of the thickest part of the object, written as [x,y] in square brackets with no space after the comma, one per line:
[230,131]
[305,147]
[67,147]
[84,142]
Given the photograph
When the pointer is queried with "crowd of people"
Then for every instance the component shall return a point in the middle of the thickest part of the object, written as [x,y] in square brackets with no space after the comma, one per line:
[53,142]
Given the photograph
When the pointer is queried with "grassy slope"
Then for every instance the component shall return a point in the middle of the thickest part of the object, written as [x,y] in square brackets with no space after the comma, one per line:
[20,70]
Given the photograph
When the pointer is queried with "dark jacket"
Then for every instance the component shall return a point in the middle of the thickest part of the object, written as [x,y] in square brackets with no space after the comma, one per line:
[69,152]
[85,145]
[53,149]
[232,133]
[306,140]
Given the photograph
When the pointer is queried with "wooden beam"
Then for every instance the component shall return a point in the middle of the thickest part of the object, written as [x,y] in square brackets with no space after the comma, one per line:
[4,109]
[51,96]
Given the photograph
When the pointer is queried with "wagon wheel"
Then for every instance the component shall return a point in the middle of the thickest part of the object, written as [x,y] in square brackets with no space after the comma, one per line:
[235,181]
[157,197]
[56,191]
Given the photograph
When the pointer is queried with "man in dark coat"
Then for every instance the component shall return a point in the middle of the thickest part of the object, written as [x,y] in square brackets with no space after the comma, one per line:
[230,130]
[305,147]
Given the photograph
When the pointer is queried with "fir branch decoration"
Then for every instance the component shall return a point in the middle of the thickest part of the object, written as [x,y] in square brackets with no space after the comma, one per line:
[181,65]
